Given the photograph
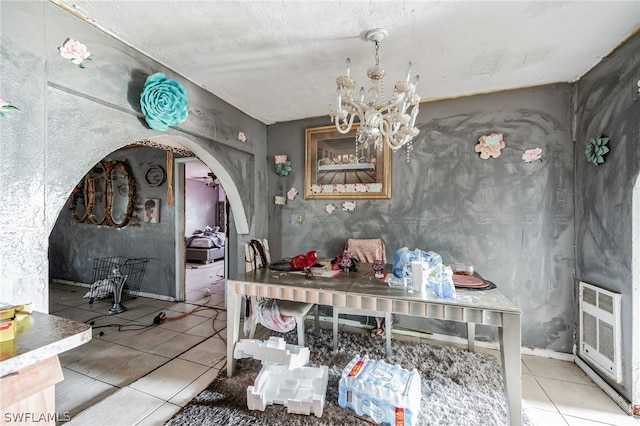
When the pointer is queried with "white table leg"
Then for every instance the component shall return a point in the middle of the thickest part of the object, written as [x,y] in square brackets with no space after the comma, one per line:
[336,318]
[387,325]
[471,336]
[511,368]
[233,324]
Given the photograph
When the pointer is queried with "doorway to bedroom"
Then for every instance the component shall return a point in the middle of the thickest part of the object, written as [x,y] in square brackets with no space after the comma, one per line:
[205,229]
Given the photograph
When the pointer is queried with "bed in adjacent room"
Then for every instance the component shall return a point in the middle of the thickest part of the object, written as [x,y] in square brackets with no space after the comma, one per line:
[205,246]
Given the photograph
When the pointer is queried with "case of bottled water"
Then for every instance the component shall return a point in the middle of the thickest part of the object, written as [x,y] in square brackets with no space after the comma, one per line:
[385,393]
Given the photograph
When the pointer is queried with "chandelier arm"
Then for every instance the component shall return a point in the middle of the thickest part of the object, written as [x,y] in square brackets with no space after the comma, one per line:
[344,130]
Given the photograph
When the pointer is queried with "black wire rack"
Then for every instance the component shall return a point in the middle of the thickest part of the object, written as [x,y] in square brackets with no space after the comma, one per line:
[117,278]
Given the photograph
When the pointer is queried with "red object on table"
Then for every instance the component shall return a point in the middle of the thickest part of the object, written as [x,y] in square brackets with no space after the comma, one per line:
[302,261]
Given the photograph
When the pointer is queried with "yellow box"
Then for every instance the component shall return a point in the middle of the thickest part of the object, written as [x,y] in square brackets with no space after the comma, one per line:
[7,330]
[6,313]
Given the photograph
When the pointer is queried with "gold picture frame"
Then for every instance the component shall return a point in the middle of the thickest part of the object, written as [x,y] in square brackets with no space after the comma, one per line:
[333,169]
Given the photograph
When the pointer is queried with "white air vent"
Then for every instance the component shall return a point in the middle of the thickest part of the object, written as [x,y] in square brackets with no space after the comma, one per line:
[600,329]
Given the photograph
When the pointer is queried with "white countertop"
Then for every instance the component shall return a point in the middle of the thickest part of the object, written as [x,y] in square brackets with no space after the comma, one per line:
[40,336]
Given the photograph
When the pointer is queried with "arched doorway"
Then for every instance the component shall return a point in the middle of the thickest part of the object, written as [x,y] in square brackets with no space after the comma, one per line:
[168,143]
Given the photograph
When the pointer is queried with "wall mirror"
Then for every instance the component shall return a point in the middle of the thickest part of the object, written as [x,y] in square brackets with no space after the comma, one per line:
[105,196]
[79,200]
[97,188]
[120,194]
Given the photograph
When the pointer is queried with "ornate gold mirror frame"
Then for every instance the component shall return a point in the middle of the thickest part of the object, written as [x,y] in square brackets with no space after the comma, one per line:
[101,192]
[121,184]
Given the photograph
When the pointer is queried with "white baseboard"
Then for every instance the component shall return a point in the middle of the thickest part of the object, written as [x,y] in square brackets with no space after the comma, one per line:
[156,296]
[613,394]
[544,353]
[140,294]
[67,282]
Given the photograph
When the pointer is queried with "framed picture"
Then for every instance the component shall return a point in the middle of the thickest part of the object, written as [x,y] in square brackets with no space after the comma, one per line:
[335,169]
[152,210]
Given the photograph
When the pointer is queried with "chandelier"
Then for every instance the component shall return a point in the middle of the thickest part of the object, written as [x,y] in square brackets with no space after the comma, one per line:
[381,122]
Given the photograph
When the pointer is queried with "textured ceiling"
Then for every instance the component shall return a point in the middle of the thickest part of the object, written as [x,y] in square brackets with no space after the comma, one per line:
[278,60]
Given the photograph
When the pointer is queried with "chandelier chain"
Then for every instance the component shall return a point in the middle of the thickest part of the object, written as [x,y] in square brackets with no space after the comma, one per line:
[377,56]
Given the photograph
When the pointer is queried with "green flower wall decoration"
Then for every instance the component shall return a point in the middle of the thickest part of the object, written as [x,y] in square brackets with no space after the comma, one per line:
[283,166]
[596,149]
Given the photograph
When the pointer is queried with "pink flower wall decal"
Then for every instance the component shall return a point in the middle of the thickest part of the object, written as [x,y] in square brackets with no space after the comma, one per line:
[75,51]
[330,208]
[291,194]
[531,155]
[242,137]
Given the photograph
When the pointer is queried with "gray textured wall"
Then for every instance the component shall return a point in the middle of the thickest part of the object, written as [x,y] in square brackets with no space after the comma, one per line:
[512,220]
[608,104]
[71,118]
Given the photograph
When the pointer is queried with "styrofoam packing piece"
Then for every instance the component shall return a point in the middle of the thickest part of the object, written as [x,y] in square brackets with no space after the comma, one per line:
[274,351]
[284,379]
[301,390]
[385,393]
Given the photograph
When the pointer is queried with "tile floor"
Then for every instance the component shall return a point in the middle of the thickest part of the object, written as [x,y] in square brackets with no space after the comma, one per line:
[137,374]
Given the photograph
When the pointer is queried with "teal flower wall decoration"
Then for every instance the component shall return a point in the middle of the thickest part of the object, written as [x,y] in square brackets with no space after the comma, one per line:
[164,102]
[596,149]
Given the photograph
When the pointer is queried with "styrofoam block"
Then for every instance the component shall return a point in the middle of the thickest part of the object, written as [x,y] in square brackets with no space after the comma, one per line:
[302,390]
[274,351]
[383,392]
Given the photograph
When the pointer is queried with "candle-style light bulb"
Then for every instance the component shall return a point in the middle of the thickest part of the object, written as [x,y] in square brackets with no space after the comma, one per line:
[361,94]
[416,79]
[408,72]
[347,67]
[338,99]
[414,114]
[403,102]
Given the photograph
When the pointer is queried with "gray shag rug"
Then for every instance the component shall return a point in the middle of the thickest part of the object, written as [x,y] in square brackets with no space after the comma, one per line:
[458,387]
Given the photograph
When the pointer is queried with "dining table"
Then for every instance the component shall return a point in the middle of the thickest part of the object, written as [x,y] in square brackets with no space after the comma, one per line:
[362,290]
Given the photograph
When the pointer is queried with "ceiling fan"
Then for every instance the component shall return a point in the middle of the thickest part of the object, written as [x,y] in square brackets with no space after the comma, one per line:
[210,180]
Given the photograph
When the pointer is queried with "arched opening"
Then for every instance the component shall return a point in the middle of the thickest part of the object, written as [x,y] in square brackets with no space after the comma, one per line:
[175,245]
